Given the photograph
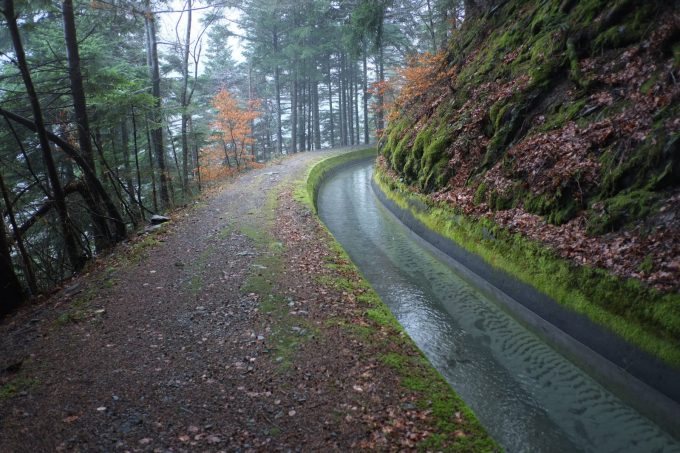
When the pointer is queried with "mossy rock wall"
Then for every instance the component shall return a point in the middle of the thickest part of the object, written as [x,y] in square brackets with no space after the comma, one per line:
[533,81]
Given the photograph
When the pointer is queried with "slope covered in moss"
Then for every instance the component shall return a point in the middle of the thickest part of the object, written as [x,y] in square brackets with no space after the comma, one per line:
[559,120]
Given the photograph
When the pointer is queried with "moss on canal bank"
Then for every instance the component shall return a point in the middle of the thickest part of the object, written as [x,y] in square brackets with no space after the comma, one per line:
[454,427]
[309,189]
[639,314]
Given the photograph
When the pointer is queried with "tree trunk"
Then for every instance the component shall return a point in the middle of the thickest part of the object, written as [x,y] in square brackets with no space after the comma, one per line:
[77,158]
[303,117]
[26,258]
[76,79]
[10,288]
[308,89]
[381,73]
[317,125]
[310,116]
[185,154]
[330,103]
[197,160]
[125,138]
[431,27]
[103,236]
[343,103]
[151,169]
[357,126]
[70,243]
[365,96]
[293,115]
[277,87]
[137,169]
[185,103]
[251,96]
[266,149]
[157,129]
[350,97]
[171,139]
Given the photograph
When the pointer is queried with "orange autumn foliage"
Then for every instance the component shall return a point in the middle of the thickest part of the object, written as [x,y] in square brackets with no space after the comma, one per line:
[421,73]
[420,76]
[232,148]
[384,91]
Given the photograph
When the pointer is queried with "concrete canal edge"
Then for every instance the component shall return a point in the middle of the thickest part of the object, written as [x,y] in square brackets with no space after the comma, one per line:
[414,367]
[326,168]
[644,382]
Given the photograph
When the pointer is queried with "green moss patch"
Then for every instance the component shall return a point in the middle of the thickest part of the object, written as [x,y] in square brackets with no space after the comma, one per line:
[308,191]
[457,433]
[622,209]
[639,314]
[141,249]
[287,332]
[15,386]
[454,426]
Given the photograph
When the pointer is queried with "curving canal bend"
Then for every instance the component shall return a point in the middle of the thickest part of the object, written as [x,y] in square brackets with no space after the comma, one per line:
[529,397]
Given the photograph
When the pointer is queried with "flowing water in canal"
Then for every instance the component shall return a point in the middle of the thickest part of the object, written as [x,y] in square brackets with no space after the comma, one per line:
[529,397]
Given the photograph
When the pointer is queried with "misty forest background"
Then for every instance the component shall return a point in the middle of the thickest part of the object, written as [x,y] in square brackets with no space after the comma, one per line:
[113,111]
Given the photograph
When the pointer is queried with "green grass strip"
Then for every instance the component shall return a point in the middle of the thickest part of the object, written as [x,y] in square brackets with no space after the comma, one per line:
[639,314]
[309,191]
[455,426]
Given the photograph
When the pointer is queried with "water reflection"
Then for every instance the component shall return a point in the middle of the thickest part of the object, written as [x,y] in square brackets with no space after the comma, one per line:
[528,396]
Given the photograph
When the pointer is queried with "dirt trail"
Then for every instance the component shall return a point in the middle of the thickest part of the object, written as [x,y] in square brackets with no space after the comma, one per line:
[225,330]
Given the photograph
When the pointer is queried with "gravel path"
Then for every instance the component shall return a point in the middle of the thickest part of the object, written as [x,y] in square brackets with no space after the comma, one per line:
[222,331]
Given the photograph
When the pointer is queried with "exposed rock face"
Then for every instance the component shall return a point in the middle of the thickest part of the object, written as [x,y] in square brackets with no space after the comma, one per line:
[158,219]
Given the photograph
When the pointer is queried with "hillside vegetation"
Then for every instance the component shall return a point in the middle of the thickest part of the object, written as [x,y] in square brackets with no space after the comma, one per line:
[559,120]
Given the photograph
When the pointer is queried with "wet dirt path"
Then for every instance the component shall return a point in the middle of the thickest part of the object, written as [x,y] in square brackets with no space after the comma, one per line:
[225,330]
